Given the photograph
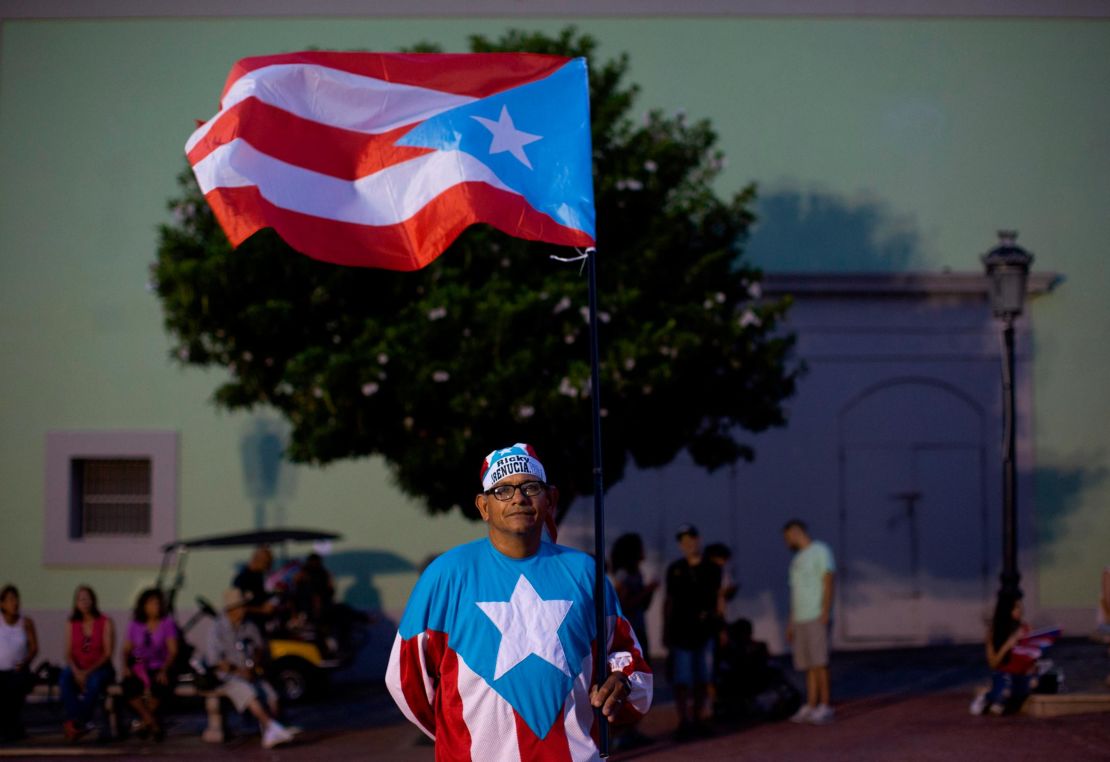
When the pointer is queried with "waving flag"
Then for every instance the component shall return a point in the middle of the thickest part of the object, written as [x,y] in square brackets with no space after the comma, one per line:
[382,160]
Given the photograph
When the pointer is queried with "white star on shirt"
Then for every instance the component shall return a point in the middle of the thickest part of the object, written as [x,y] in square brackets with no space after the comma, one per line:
[506,137]
[529,625]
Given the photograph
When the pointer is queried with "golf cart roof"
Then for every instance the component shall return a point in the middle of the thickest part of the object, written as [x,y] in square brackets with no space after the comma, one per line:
[260,537]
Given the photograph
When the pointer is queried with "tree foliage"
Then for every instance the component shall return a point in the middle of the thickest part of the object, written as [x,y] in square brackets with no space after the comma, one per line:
[489,344]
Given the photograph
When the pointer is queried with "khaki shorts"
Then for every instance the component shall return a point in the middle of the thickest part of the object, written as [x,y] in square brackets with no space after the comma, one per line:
[811,645]
[241,693]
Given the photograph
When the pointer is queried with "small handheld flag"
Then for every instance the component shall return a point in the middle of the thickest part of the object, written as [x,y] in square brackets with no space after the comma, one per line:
[382,160]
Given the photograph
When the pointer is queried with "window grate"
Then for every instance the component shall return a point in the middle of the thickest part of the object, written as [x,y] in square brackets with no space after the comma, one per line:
[115,497]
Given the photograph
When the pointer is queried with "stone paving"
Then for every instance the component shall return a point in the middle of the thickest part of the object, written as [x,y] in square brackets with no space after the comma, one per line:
[891,705]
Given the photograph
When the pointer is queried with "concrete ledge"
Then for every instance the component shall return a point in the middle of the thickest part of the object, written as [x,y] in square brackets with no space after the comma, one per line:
[1058,705]
[40,694]
[214,732]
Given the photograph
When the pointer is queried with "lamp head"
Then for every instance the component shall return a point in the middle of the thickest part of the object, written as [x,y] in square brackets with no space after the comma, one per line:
[1007,266]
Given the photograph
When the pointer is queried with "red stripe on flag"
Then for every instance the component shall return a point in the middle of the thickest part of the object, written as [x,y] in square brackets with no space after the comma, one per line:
[304,143]
[453,739]
[474,74]
[409,245]
[412,683]
[553,747]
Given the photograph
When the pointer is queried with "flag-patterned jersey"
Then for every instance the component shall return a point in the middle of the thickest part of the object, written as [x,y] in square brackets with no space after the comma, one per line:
[494,655]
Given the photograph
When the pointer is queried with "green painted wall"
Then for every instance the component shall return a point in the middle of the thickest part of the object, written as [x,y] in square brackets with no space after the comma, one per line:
[878,144]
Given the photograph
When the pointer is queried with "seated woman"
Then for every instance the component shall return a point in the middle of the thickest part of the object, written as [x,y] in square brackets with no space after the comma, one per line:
[18,646]
[1012,678]
[89,672]
[149,651]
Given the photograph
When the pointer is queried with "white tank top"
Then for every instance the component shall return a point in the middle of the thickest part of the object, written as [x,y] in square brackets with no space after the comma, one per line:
[13,643]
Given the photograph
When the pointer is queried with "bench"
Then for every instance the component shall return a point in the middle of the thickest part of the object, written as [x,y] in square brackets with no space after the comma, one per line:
[41,693]
[214,732]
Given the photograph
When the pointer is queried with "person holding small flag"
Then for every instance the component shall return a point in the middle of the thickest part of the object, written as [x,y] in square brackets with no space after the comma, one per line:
[493,658]
[1013,650]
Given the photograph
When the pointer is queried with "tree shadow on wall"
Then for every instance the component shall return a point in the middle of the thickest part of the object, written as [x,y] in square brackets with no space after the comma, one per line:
[1060,491]
[820,232]
[269,480]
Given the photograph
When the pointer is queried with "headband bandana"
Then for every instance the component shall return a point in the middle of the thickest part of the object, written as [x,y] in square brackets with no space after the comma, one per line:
[518,459]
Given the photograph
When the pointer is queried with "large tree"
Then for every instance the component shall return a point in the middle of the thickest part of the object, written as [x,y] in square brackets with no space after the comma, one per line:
[489,344]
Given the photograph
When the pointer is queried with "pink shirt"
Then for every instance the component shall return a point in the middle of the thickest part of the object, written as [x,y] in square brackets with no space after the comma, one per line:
[87,650]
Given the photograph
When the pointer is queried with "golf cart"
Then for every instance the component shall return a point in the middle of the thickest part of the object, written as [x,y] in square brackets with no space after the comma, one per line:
[301,653]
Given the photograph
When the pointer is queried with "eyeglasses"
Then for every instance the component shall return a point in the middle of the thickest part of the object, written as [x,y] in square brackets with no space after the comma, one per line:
[505,492]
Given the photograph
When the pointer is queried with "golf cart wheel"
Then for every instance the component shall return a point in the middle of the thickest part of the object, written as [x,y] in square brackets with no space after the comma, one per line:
[295,679]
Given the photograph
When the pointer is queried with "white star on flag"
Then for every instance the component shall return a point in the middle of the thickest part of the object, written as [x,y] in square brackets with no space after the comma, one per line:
[529,625]
[506,137]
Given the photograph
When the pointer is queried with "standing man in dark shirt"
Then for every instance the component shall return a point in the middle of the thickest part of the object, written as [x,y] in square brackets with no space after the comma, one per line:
[252,582]
[689,622]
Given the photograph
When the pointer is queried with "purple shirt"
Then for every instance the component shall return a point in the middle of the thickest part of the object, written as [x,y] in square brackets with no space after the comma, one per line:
[149,647]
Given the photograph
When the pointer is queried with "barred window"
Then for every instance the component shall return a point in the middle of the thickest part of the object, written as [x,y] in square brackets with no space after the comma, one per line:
[112,497]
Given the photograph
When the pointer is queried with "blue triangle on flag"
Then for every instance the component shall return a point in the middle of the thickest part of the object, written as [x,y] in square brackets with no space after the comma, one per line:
[550,121]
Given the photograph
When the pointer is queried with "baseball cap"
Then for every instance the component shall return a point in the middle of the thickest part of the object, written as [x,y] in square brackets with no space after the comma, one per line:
[686,529]
[234,598]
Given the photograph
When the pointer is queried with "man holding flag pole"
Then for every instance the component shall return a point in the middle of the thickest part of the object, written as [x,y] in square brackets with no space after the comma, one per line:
[493,658]
[381,160]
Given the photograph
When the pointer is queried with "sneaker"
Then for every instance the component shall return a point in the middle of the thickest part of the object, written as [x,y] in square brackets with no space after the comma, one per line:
[803,714]
[821,715]
[275,734]
[74,732]
[979,705]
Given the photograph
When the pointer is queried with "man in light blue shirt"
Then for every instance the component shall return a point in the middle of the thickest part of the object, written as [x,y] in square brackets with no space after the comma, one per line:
[811,590]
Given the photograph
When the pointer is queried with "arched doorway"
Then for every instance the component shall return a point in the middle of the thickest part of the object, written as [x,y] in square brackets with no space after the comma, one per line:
[912,514]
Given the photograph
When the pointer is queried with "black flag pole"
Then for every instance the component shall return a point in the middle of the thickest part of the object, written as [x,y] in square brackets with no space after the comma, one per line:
[601,660]
[601,656]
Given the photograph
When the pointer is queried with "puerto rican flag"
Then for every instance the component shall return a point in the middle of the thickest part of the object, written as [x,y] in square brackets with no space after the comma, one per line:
[382,160]
[494,656]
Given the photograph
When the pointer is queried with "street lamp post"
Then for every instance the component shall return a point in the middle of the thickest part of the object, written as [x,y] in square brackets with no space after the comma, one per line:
[1007,267]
